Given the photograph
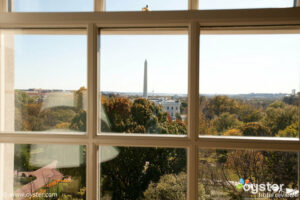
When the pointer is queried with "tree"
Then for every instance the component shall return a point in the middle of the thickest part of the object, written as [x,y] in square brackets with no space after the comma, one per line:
[289,131]
[169,187]
[280,115]
[255,129]
[233,132]
[248,113]
[22,157]
[226,121]
[127,177]
[79,98]
[78,123]
[220,104]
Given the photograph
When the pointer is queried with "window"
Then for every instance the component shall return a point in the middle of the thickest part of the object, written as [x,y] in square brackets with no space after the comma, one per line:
[243,91]
[51,170]
[48,79]
[134,88]
[154,162]
[87,95]
[242,174]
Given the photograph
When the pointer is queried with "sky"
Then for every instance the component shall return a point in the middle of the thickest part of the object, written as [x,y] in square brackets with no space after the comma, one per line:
[130,5]
[50,61]
[229,64]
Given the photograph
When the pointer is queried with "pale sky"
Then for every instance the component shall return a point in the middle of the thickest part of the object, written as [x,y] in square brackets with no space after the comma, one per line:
[122,63]
[50,61]
[232,64]
[228,64]
[129,5]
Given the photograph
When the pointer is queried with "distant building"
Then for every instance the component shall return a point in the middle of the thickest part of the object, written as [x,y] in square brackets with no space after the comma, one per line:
[172,107]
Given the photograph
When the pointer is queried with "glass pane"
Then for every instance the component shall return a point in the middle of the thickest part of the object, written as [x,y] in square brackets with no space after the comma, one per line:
[142,5]
[52,5]
[45,81]
[244,4]
[249,84]
[143,82]
[39,171]
[247,174]
[158,173]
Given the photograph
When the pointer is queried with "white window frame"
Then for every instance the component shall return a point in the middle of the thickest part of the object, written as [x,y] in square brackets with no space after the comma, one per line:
[195,21]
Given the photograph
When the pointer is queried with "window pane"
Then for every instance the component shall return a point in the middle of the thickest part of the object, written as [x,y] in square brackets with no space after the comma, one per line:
[44,76]
[52,5]
[45,171]
[248,174]
[249,84]
[158,173]
[143,82]
[237,4]
[135,5]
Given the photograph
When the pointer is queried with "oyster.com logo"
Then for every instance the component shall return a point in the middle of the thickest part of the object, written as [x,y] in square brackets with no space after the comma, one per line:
[242,183]
[253,188]
[267,190]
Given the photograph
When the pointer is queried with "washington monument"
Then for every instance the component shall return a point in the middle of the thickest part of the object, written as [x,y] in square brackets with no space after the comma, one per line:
[145,92]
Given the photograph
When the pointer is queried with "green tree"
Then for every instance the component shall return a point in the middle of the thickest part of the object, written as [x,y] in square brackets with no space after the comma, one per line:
[226,121]
[280,115]
[248,113]
[255,129]
[169,187]
[127,177]
[289,131]
[220,104]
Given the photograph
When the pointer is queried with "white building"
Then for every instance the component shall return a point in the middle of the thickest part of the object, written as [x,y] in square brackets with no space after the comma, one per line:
[172,107]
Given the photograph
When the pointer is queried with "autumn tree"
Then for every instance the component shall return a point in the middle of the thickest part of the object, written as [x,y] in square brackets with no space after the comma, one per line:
[249,113]
[226,121]
[255,129]
[220,104]
[169,187]
[279,116]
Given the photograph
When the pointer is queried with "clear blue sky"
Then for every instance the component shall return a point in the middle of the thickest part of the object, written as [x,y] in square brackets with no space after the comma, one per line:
[229,63]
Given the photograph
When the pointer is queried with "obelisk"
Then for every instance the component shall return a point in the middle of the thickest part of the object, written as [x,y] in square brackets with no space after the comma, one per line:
[145,92]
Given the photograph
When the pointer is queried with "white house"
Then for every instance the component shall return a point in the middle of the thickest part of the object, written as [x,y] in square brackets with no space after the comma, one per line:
[172,107]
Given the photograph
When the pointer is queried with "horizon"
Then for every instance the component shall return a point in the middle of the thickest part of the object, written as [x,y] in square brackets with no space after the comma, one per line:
[167,94]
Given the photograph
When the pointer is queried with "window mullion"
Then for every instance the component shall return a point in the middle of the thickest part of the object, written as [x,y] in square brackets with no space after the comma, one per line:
[91,154]
[193,4]
[2,5]
[99,5]
[193,112]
